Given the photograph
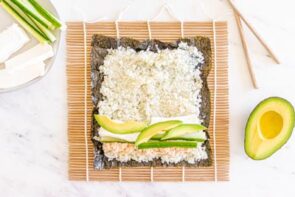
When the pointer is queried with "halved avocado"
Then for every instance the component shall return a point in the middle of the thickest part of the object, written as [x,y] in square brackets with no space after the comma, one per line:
[269,127]
[168,144]
[155,129]
[184,129]
[119,128]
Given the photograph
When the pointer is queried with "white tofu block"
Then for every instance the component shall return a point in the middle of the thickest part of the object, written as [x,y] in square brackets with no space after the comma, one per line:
[38,53]
[11,40]
[18,77]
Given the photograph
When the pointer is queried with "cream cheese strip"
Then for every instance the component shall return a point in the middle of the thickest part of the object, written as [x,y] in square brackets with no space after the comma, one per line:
[36,54]
[18,77]
[11,40]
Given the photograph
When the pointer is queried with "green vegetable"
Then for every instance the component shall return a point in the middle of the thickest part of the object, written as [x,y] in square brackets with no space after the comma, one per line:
[168,143]
[49,35]
[155,129]
[27,25]
[119,128]
[184,129]
[41,29]
[159,136]
[29,10]
[199,136]
[46,14]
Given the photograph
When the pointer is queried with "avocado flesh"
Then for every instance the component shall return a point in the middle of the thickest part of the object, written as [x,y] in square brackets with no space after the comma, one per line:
[168,144]
[119,128]
[155,129]
[184,130]
[269,127]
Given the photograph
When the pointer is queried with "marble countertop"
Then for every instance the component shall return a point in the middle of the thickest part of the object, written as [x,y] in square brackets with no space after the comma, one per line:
[33,121]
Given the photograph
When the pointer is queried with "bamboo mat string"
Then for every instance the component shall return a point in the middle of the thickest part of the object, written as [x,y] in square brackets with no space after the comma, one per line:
[182,36]
[85,100]
[120,174]
[152,174]
[215,86]
[149,29]
[150,38]
[118,43]
[181,29]
[183,174]
[214,100]
[84,18]
[166,7]
[117,32]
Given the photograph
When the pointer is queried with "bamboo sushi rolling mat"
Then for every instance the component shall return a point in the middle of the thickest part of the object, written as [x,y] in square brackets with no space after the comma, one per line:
[81,149]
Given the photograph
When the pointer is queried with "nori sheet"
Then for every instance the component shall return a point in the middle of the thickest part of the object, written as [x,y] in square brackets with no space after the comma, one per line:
[100,44]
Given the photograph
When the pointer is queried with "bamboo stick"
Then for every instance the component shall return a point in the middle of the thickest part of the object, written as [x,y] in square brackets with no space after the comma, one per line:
[246,51]
[253,30]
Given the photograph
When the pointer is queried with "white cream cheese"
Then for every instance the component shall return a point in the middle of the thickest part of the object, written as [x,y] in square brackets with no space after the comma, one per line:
[189,119]
[127,137]
[18,77]
[11,40]
[38,53]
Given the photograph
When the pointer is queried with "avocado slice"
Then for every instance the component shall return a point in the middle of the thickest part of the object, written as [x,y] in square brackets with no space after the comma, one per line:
[154,129]
[159,136]
[168,144]
[185,129]
[269,127]
[199,136]
[119,128]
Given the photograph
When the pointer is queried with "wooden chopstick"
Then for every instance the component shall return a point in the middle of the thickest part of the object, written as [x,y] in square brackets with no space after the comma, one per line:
[260,39]
[246,50]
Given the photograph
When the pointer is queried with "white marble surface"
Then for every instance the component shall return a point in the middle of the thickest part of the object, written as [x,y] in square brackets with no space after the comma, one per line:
[33,130]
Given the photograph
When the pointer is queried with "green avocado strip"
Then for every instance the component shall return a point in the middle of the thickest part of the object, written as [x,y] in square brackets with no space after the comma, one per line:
[167,144]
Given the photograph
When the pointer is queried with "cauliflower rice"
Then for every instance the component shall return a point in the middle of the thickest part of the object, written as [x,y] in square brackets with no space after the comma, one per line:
[141,85]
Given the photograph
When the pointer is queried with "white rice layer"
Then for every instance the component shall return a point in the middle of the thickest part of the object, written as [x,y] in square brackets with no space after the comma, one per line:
[141,85]
[125,151]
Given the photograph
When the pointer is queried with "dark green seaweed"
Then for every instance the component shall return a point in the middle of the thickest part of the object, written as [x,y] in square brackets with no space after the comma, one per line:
[100,44]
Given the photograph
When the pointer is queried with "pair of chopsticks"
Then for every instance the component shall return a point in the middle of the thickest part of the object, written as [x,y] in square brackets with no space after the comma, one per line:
[239,18]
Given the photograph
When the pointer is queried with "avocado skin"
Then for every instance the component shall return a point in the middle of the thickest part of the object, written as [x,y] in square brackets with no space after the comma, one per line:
[252,115]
